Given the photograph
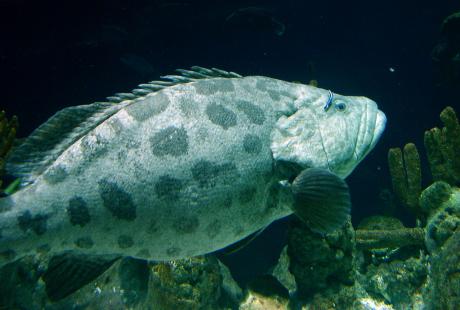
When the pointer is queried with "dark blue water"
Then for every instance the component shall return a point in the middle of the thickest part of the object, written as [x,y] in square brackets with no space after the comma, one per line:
[55,54]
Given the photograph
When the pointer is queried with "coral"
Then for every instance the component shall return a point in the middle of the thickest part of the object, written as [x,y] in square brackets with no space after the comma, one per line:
[443,221]
[8,129]
[374,239]
[318,262]
[193,283]
[434,196]
[443,291]
[442,148]
[406,176]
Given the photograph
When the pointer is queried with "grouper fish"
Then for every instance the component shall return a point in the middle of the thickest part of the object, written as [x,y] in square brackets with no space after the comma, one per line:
[185,166]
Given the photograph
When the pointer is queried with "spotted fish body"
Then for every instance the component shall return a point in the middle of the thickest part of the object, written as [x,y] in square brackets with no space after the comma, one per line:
[177,172]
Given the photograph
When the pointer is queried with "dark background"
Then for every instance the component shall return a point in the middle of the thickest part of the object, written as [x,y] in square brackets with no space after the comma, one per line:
[58,54]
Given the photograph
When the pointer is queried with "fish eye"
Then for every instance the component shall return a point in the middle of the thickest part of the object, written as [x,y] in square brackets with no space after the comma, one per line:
[340,106]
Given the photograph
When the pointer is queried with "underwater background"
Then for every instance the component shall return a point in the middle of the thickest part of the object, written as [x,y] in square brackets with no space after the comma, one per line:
[59,54]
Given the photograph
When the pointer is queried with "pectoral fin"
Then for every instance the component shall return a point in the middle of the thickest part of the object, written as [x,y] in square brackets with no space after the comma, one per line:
[321,199]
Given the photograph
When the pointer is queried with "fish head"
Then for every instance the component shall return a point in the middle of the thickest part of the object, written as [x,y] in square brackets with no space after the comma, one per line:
[326,130]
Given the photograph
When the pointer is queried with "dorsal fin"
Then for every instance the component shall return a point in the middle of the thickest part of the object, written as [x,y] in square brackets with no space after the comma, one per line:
[47,142]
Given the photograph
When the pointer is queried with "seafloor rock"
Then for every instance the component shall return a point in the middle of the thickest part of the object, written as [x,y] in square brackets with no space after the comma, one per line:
[282,274]
[443,291]
[265,293]
[122,286]
[193,283]
[20,287]
[255,301]
[319,262]
[396,282]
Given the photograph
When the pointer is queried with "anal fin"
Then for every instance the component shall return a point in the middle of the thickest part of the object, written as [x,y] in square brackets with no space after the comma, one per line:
[69,272]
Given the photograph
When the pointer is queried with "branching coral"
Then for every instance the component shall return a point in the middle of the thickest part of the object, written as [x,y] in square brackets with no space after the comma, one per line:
[406,176]
[443,148]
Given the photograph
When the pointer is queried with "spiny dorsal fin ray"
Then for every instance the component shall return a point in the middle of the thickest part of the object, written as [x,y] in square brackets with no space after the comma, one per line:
[49,140]
[52,138]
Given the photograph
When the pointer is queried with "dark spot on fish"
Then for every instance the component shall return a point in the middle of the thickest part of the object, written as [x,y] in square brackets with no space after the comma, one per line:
[213,229]
[35,223]
[210,87]
[247,195]
[188,106]
[55,174]
[220,115]
[274,95]
[84,242]
[206,173]
[254,113]
[170,141]
[125,242]
[168,188]
[144,253]
[173,251]
[186,225]
[147,107]
[252,144]
[78,211]
[116,200]
[116,125]
[8,255]
[93,147]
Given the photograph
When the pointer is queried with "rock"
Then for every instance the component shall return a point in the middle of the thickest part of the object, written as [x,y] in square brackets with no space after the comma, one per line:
[319,262]
[187,284]
[443,290]
[282,274]
[230,289]
[396,282]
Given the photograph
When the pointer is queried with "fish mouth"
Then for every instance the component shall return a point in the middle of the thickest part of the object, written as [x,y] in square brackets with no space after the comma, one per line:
[376,122]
